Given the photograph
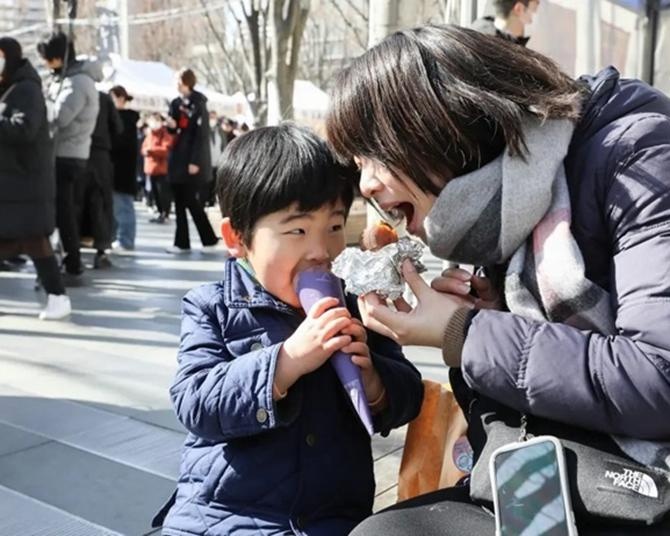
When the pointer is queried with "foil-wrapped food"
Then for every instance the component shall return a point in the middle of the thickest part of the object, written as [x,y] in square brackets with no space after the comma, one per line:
[376,265]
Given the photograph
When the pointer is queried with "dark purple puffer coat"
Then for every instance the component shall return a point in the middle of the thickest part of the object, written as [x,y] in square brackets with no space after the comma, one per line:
[618,170]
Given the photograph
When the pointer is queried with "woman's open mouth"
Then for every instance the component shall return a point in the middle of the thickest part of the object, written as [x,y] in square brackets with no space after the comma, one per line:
[403,212]
[407,210]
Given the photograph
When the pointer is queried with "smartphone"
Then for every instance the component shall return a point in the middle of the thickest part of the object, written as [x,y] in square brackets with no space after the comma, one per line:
[531,496]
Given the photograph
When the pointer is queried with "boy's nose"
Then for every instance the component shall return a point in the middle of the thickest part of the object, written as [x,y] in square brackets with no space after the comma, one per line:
[318,254]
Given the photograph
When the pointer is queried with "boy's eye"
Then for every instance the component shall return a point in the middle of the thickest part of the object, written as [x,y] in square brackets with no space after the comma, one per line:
[337,227]
[296,232]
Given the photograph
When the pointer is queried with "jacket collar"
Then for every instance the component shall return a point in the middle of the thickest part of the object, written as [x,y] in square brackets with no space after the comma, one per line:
[242,291]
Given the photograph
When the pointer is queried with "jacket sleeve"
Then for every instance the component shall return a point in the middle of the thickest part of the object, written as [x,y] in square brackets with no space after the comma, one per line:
[69,103]
[200,141]
[402,381]
[25,114]
[615,384]
[217,396]
[162,148]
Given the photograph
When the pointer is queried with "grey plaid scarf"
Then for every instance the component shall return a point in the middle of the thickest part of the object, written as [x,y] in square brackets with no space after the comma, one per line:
[518,210]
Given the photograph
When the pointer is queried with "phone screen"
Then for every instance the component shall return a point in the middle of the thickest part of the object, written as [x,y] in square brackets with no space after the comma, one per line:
[530,500]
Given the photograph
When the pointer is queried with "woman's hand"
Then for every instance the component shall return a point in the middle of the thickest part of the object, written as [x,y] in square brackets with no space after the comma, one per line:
[461,282]
[423,325]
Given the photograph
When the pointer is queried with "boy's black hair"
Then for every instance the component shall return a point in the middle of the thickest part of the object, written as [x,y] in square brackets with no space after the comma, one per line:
[54,46]
[271,168]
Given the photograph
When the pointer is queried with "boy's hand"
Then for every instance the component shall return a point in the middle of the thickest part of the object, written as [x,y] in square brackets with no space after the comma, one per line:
[360,356]
[315,340]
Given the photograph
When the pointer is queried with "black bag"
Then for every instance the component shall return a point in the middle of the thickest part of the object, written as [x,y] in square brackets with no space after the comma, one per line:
[606,485]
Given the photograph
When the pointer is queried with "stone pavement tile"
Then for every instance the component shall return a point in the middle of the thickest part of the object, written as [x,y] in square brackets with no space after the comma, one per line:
[136,444]
[103,492]
[116,437]
[386,499]
[24,516]
[383,445]
[53,418]
[15,440]
[387,453]
[386,477]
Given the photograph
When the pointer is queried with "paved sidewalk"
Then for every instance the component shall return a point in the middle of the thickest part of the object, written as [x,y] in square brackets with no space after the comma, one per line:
[88,442]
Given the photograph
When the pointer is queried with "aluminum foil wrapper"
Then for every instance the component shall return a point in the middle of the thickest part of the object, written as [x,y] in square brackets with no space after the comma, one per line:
[378,271]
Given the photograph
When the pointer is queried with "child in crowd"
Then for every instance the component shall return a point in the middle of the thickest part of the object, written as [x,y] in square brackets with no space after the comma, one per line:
[275,446]
[156,149]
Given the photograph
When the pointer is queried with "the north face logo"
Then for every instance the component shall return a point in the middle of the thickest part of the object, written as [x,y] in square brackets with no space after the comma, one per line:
[635,481]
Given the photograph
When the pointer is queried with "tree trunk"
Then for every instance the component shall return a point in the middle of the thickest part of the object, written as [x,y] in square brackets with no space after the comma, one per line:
[288,18]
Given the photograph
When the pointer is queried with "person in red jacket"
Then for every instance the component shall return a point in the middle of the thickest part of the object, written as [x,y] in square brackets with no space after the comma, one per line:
[156,149]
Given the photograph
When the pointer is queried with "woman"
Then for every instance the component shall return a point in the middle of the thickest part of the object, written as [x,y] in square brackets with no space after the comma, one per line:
[483,145]
[125,151]
[190,162]
[27,192]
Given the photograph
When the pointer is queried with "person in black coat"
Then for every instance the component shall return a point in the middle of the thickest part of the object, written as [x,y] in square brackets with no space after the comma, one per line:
[190,162]
[125,151]
[98,204]
[27,183]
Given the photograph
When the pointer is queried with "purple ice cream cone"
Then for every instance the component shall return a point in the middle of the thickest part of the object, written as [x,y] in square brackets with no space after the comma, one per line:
[312,285]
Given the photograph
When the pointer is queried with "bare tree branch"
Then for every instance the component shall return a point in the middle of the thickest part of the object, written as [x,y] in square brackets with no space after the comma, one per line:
[224,49]
[249,63]
[361,14]
[360,40]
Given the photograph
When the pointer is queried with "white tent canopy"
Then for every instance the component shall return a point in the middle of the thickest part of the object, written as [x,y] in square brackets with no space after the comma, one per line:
[153,86]
[310,104]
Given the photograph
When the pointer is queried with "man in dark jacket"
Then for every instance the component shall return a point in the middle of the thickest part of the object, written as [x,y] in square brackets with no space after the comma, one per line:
[125,155]
[190,161]
[27,208]
[512,20]
[74,104]
[98,200]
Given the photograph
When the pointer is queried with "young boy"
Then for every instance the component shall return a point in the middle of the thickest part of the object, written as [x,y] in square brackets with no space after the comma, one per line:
[275,446]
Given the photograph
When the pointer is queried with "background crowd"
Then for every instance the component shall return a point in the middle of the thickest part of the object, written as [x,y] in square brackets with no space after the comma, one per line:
[75,160]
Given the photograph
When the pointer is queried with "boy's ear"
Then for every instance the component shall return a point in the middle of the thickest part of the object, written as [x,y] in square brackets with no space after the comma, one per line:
[232,240]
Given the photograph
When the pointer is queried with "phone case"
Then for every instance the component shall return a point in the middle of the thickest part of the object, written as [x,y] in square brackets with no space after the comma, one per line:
[563,478]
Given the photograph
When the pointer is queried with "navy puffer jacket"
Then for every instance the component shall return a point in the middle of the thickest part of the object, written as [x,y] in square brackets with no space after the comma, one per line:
[252,466]
[618,170]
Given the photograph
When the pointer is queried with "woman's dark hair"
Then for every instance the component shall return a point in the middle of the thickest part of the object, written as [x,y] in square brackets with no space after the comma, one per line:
[54,47]
[13,60]
[439,101]
[120,92]
[187,77]
[271,168]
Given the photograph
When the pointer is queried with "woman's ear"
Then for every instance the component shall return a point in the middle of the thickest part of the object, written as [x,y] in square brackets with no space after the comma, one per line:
[232,240]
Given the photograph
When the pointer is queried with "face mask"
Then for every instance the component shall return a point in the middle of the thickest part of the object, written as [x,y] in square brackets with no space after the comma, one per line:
[212,123]
[2,65]
[154,125]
